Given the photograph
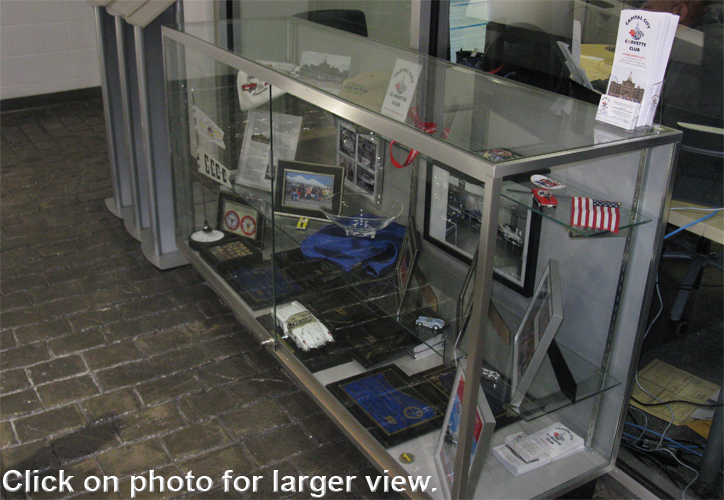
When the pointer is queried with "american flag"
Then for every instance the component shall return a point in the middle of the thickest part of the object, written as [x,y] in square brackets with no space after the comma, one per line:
[595,214]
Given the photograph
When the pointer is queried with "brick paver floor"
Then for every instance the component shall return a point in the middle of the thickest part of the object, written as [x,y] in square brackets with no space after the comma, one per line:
[111,367]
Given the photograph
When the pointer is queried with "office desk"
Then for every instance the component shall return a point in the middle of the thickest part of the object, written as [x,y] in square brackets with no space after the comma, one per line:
[712,229]
[597,60]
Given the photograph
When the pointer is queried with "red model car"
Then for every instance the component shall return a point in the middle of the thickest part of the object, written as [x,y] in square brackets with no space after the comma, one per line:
[544,198]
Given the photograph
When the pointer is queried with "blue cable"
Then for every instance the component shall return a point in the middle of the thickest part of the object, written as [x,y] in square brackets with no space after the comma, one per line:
[672,233]
[657,434]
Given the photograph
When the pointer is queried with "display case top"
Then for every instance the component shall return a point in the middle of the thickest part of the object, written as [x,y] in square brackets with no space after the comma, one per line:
[504,127]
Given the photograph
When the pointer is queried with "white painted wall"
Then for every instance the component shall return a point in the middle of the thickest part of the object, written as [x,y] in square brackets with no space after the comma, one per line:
[46,46]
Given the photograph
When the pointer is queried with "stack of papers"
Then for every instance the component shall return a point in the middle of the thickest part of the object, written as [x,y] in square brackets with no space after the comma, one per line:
[431,346]
[522,453]
[642,52]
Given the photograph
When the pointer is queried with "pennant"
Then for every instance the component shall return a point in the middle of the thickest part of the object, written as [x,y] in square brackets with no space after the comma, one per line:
[208,129]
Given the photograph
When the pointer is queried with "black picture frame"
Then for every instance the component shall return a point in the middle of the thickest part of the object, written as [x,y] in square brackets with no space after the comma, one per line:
[406,261]
[315,182]
[237,217]
[446,214]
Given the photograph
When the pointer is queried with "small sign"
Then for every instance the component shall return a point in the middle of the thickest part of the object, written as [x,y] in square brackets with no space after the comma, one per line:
[401,90]
[212,168]
[208,129]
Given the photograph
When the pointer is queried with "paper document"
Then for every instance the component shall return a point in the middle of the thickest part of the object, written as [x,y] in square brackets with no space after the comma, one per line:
[668,383]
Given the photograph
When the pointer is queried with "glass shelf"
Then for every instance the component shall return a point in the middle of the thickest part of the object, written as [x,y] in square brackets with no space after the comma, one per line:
[520,193]
[587,380]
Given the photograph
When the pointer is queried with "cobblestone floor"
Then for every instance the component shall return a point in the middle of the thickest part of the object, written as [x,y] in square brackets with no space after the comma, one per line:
[110,367]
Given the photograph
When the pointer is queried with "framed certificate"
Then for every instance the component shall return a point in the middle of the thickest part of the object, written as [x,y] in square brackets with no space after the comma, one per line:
[541,321]
[392,406]
[238,217]
[447,446]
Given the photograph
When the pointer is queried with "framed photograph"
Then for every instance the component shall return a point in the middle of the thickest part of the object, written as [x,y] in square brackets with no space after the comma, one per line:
[540,323]
[360,152]
[453,216]
[300,188]
[393,407]
[447,445]
[237,217]
[406,261]
[326,71]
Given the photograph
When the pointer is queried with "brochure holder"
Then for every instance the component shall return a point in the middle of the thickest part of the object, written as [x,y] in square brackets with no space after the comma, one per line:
[643,46]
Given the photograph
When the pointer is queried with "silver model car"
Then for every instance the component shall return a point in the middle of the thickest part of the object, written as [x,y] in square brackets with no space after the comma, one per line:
[434,323]
[304,329]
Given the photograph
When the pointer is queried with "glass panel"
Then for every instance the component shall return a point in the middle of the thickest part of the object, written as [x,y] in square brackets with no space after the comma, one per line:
[481,112]
[346,240]
[386,21]
[520,41]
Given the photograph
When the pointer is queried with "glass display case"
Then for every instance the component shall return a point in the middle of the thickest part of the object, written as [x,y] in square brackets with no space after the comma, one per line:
[392,226]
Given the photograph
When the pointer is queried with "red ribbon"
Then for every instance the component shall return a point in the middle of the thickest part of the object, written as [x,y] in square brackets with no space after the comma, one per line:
[427,127]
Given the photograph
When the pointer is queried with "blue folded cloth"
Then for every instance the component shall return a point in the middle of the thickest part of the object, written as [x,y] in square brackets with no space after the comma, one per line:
[377,254]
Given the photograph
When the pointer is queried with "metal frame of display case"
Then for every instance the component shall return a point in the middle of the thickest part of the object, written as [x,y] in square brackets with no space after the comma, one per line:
[132,82]
[635,276]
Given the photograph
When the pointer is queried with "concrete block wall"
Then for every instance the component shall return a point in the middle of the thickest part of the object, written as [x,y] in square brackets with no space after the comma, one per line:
[46,46]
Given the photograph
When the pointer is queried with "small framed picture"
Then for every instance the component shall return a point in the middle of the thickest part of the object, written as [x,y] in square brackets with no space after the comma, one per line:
[300,188]
[406,261]
[447,446]
[540,323]
[237,217]
[360,152]
[327,71]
